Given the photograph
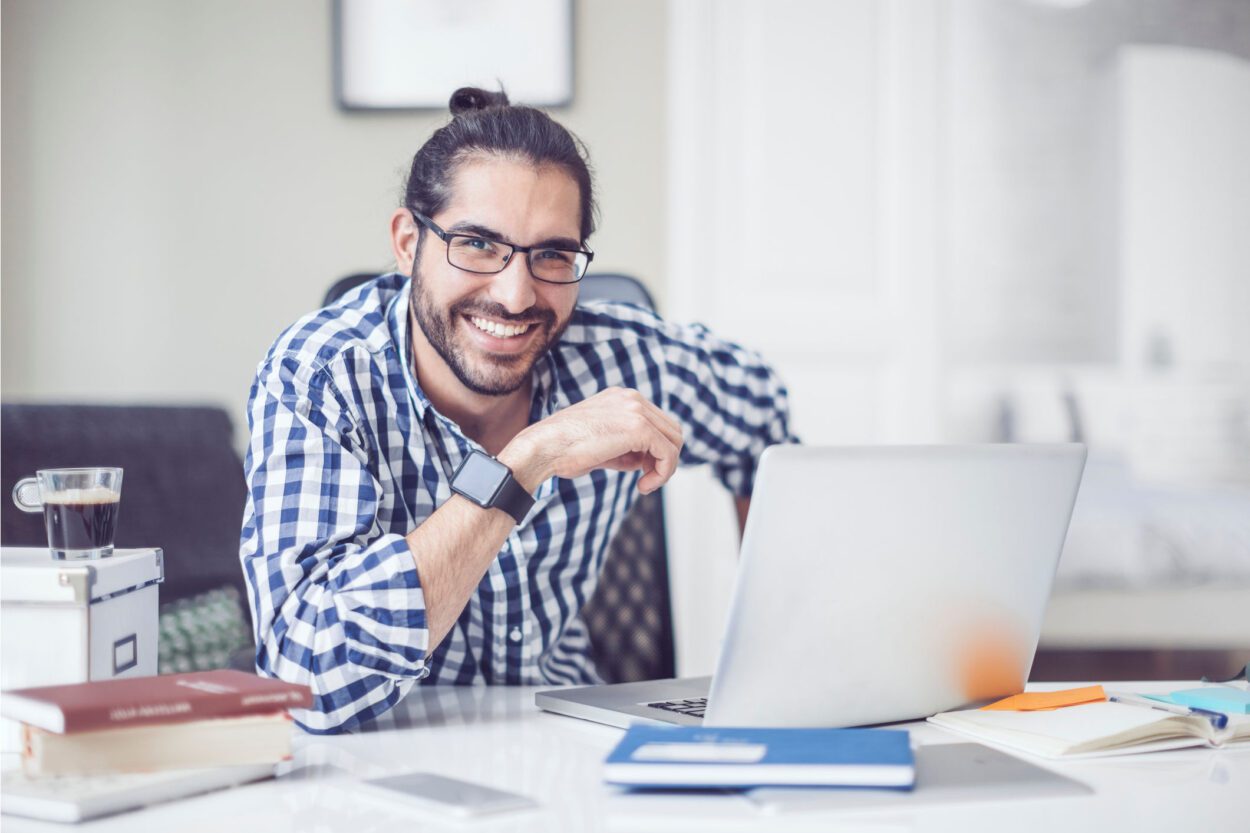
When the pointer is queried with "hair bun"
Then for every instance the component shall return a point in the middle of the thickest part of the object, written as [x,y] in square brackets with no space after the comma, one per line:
[469,99]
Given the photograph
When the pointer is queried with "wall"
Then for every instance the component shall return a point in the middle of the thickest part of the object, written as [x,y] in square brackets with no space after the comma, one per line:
[179,184]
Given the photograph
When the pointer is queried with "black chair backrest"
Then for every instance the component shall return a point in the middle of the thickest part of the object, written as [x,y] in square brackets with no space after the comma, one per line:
[630,615]
[609,287]
[605,287]
[182,486]
[346,284]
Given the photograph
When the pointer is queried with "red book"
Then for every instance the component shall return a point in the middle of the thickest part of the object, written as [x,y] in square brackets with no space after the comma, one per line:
[140,701]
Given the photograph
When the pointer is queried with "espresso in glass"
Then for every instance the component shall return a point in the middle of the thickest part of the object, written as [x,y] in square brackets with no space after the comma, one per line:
[79,508]
[81,519]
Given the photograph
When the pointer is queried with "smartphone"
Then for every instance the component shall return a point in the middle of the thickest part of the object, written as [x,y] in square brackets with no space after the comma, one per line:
[428,791]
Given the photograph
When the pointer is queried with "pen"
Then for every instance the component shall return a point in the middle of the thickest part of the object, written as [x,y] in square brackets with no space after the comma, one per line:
[1218,720]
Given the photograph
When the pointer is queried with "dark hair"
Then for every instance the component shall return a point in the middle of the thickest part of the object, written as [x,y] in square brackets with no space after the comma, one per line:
[484,122]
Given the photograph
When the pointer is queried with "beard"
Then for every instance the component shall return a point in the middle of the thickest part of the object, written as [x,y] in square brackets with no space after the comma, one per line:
[489,374]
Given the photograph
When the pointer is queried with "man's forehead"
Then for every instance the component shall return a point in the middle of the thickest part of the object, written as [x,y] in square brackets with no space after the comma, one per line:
[515,197]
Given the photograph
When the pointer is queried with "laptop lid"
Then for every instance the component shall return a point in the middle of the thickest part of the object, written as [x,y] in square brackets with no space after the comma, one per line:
[887,583]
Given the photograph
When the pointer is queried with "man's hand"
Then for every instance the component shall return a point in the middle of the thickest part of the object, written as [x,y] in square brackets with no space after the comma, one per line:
[617,428]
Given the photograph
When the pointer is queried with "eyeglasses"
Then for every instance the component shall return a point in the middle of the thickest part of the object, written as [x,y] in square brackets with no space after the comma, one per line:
[484,256]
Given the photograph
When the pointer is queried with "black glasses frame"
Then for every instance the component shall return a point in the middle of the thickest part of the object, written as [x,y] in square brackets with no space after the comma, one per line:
[513,248]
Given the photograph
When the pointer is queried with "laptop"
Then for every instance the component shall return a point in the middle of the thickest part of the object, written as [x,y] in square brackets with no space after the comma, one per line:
[876,584]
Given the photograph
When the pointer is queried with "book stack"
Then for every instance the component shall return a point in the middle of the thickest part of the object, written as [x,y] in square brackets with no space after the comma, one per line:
[146,724]
[102,747]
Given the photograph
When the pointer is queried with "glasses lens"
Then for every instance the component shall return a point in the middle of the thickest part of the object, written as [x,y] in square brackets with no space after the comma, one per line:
[477,254]
[558,266]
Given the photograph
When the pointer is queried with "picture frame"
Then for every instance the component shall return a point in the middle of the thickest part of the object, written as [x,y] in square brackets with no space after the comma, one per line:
[413,54]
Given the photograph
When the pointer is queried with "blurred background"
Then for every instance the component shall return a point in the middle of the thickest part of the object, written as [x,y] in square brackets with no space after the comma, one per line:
[949,220]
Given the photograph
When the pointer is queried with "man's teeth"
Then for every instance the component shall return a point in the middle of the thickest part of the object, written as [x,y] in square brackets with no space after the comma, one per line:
[497,329]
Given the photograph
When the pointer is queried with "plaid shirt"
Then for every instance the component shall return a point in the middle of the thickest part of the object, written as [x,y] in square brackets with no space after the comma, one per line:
[347,456]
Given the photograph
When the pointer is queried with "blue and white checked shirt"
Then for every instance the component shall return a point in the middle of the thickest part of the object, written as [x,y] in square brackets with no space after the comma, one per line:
[347,456]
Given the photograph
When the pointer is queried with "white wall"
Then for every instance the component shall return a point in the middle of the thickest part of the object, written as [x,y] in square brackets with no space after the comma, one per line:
[179,183]
[1186,209]
[1185,255]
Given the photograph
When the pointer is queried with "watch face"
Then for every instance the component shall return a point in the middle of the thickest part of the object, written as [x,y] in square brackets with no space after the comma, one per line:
[480,477]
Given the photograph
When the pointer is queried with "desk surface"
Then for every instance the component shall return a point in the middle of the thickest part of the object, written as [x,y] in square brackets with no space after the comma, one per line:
[496,736]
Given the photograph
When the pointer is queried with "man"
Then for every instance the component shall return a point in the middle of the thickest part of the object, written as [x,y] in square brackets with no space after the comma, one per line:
[439,462]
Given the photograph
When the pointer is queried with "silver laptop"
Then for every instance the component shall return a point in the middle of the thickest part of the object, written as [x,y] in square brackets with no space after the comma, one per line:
[876,584]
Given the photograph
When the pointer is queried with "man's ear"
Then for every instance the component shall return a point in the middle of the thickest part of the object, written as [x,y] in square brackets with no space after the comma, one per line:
[404,235]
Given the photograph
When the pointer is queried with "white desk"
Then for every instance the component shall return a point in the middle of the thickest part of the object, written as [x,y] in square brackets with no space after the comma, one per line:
[496,736]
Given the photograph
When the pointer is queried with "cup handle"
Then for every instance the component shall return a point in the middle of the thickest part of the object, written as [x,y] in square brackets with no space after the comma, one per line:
[26,495]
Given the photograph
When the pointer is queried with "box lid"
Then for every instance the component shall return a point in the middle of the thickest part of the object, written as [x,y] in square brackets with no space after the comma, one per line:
[31,575]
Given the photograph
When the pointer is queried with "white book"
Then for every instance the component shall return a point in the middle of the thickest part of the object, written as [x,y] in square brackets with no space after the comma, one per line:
[1092,730]
[197,744]
[74,798]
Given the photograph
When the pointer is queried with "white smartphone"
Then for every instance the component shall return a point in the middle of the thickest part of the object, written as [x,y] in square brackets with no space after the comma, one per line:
[428,791]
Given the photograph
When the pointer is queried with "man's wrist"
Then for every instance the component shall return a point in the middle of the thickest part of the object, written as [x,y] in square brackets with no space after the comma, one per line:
[527,465]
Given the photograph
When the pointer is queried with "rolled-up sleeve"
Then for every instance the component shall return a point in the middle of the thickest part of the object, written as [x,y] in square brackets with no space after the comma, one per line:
[731,403]
[336,600]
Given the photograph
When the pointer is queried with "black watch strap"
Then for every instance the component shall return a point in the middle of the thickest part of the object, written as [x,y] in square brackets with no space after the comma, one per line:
[513,499]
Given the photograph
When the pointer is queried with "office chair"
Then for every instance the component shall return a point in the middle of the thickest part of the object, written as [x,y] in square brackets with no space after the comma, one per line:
[606,287]
[629,617]
[182,491]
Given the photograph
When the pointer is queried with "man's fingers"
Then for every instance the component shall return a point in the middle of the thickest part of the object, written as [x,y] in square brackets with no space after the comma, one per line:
[669,426]
[619,429]
[649,482]
[663,422]
[628,399]
[652,450]
[663,440]
[653,476]
[665,454]
[632,461]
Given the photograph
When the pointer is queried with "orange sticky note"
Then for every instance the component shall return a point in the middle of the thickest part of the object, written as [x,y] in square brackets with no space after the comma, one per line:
[1036,701]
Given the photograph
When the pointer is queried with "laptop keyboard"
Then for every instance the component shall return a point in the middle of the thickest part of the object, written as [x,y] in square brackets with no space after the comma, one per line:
[694,707]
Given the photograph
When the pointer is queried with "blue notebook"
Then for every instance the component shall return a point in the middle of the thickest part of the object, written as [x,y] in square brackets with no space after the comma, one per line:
[684,757]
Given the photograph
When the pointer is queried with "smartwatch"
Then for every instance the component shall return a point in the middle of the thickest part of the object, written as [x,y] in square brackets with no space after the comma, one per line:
[490,484]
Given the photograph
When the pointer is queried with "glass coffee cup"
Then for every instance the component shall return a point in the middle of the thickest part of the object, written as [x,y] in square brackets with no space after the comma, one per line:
[79,509]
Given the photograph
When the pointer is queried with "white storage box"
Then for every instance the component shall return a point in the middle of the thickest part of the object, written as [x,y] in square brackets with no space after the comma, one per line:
[73,621]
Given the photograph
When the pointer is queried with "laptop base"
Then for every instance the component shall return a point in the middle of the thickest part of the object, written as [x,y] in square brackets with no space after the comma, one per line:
[621,704]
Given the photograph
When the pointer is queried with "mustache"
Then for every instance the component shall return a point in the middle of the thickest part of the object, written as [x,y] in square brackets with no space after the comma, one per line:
[534,315]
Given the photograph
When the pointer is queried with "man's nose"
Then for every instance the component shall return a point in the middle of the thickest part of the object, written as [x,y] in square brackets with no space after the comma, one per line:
[514,286]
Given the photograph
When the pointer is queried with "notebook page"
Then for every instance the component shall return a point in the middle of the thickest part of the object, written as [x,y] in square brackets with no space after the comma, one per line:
[1238,729]
[1086,728]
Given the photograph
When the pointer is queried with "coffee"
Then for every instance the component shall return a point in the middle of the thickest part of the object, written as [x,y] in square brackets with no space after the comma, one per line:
[81,519]
[79,508]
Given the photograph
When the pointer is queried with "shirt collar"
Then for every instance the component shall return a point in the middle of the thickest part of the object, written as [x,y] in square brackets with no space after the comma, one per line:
[398,318]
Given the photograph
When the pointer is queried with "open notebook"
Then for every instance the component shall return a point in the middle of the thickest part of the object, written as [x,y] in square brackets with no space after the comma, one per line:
[1092,730]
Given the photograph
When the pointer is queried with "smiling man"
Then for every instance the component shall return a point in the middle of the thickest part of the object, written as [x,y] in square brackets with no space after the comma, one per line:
[440,459]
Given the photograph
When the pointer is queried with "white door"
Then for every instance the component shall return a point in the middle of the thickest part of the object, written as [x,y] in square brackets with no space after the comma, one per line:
[802,205]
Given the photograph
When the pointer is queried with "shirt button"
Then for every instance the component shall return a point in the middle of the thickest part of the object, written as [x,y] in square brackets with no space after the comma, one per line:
[515,636]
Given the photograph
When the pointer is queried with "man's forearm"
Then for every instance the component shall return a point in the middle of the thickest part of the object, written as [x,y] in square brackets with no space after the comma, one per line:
[454,547]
